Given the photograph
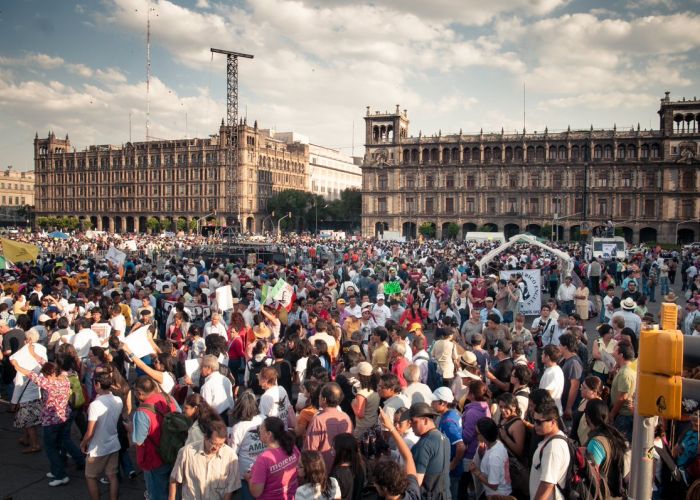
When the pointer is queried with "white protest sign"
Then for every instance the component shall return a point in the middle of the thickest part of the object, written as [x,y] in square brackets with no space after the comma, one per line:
[26,360]
[138,342]
[224,298]
[531,302]
[191,366]
[116,257]
[131,245]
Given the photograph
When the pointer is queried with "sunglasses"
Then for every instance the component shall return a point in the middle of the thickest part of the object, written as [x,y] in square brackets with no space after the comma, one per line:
[538,421]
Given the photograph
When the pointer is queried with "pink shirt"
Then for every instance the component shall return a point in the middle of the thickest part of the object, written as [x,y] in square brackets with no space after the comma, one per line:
[278,472]
[397,369]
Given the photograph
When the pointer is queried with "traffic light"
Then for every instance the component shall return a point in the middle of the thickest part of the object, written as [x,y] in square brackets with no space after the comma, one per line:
[660,367]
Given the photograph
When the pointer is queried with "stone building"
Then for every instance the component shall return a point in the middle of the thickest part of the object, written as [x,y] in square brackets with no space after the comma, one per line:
[16,189]
[117,188]
[645,181]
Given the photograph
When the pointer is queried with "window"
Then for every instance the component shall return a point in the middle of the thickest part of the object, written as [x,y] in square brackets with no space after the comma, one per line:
[602,208]
[470,205]
[450,181]
[557,180]
[410,205]
[410,182]
[626,207]
[688,208]
[471,181]
[651,180]
[491,205]
[492,180]
[511,205]
[556,206]
[534,205]
[688,180]
[429,181]
[513,181]
[382,181]
[626,179]
[429,205]
[535,180]
[578,205]
[603,179]
[579,179]
[649,208]
[381,205]
[449,205]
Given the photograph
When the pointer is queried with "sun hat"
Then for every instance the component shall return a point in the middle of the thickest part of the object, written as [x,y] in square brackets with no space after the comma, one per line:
[628,304]
[365,369]
[261,331]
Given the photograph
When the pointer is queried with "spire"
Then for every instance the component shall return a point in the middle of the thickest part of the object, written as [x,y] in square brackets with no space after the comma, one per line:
[501,129]
[36,135]
[568,129]
[546,130]
[460,131]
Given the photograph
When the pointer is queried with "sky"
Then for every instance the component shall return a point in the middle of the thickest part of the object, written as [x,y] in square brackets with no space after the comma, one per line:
[80,68]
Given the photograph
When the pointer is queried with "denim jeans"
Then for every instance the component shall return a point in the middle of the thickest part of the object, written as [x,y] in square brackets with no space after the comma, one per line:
[157,481]
[663,281]
[245,491]
[53,443]
[69,446]
[127,466]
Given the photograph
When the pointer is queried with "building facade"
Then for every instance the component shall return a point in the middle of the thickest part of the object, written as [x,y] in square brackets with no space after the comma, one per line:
[16,189]
[568,183]
[119,188]
[331,172]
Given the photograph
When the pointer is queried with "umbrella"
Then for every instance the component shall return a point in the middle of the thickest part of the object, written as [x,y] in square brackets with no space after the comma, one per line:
[59,235]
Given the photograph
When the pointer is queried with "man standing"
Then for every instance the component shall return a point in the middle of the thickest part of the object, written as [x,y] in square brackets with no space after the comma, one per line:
[551,458]
[632,319]
[215,326]
[572,368]
[499,378]
[622,390]
[327,423]
[100,443]
[380,311]
[553,378]
[565,295]
[216,390]
[450,424]
[207,468]
[431,453]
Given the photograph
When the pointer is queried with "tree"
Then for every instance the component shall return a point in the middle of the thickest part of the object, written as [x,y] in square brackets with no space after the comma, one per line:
[85,224]
[153,224]
[181,224]
[451,231]
[427,229]
[193,225]
[42,222]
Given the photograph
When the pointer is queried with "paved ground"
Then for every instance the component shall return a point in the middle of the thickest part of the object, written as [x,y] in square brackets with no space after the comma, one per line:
[23,477]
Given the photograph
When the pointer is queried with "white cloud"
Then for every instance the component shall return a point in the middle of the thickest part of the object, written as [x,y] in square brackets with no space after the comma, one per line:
[609,100]
[43,61]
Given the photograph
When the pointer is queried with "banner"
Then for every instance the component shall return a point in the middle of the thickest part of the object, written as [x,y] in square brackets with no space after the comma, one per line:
[19,252]
[283,293]
[193,310]
[531,302]
[116,257]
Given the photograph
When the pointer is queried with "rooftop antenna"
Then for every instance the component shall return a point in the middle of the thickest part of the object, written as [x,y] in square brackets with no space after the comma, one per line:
[129,126]
[353,139]
[148,69]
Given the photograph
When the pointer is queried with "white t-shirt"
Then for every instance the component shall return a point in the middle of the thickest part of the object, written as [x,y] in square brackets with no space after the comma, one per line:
[118,323]
[301,369]
[553,381]
[246,442]
[84,340]
[105,411]
[555,462]
[275,403]
[495,466]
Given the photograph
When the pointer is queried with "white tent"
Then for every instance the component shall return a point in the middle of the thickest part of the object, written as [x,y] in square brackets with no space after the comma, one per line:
[565,258]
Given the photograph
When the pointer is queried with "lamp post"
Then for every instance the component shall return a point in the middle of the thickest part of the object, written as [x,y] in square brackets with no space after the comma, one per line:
[697,219]
[279,224]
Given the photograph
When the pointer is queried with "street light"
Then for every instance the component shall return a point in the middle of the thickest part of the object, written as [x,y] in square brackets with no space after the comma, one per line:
[316,210]
[279,224]
[555,219]
[697,219]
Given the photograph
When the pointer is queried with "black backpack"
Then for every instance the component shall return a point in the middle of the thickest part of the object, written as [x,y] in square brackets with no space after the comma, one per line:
[254,367]
[583,480]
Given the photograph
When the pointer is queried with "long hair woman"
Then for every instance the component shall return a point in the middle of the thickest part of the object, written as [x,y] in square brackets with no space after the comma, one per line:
[314,483]
[591,388]
[349,467]
[274,473]
[199,413]
[607,446]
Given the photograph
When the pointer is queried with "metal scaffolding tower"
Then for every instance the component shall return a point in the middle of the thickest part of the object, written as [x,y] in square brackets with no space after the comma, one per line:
[232,155]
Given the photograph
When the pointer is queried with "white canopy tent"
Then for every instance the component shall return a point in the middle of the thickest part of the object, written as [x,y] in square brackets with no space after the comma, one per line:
[565,259]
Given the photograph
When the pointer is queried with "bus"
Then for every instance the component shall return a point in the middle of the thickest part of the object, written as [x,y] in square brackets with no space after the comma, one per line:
[609,248]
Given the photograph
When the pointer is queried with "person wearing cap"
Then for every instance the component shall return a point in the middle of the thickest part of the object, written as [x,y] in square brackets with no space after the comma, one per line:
[499,377]
[450,424]
[489,309]
[380,311]
[365,405]
[632,320]
[431,453]
[566,294]
[367,324]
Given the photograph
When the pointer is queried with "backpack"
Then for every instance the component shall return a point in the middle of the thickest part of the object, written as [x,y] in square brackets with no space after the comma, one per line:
[173,431]
[77,398]
[254,367]
[434,379]
[583,480]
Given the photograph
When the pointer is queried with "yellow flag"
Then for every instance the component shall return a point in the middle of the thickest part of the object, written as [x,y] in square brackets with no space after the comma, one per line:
[19,252]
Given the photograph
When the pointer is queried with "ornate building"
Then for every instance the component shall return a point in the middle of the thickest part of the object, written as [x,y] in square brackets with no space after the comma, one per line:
[119,188]
[16,189]
[646,182]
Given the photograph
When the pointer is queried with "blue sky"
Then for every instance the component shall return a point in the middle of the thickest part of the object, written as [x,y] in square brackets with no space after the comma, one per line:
[79,68]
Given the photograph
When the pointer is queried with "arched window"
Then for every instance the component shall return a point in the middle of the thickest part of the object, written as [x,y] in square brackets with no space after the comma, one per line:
[607,152]
[552,152]
[562,153]
[655,151]
[598,152]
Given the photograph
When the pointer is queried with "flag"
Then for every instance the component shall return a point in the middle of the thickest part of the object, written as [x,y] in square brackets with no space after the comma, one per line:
[6,264]
[283,293]
[19,252]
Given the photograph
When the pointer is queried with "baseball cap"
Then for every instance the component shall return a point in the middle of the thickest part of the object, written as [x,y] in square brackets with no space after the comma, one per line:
[364,369]
[443,394]
[380,296]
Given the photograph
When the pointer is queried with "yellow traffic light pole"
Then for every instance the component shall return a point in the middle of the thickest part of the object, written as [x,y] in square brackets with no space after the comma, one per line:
[659,392]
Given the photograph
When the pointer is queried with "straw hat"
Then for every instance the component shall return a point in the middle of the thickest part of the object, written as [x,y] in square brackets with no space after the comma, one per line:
[670,297]
[261,331]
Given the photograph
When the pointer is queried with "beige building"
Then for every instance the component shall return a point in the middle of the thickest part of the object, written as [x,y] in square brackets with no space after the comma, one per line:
[16,189]
[645,181]
[118,188]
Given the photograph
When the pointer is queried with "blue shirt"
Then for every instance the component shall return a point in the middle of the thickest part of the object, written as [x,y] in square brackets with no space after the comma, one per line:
[485,312]
[451,427]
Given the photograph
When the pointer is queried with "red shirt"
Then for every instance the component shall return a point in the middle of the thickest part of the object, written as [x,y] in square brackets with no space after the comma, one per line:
[397,369]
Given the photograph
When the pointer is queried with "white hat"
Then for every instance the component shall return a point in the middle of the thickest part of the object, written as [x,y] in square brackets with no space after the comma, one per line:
[628,304]
[443,394]
[380,296]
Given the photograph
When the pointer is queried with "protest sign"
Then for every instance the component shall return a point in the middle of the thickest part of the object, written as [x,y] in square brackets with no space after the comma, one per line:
[138,342]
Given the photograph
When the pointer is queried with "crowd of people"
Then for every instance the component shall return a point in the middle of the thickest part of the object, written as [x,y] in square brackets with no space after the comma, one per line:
[398,370]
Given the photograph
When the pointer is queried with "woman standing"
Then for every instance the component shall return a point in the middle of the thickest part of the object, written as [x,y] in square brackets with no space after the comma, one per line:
[28,398]
[603,349]
[491,473]
[581,301]
[199,413]
[314,483]
[237,344]
[414,314]
[310,390]
[348,466]
[365,406]
[274,473]
[513,434]
[245,436]
[591,389]
[162,371]
[54,414]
